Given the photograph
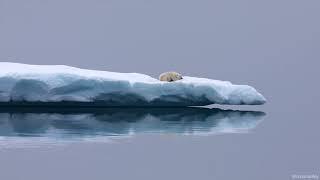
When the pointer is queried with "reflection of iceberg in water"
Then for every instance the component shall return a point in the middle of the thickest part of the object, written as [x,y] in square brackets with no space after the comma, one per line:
[94,123]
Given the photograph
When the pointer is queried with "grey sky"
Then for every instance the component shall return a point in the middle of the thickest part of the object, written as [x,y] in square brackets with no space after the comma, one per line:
[205,37]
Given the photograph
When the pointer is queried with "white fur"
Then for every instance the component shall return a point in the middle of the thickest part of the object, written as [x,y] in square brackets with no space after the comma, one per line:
[170,76]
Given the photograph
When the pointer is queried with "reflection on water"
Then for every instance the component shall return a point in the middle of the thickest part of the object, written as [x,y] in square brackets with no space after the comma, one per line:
[93,123]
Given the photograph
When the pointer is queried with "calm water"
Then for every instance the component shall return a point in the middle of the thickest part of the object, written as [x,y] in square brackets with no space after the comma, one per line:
[163,143]
[271,45]
[91,124]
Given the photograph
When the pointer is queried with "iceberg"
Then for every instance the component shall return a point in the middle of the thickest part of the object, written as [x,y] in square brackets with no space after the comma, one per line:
[22,84]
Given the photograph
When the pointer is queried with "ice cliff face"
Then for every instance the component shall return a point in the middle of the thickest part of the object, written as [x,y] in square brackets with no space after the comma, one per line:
[64,85]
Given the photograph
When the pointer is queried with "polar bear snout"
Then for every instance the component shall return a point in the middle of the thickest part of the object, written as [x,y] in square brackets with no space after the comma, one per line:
[170,76]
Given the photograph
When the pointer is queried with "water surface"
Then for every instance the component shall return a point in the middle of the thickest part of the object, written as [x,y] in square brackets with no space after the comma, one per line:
[73,124]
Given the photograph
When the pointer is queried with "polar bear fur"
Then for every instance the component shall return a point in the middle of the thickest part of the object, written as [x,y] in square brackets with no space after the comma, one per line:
[170,76]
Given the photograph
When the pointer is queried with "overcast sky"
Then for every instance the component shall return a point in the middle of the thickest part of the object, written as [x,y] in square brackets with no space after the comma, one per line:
[201,38]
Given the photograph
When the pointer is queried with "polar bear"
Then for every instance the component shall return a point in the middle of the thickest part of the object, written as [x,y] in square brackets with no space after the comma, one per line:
[170,76]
